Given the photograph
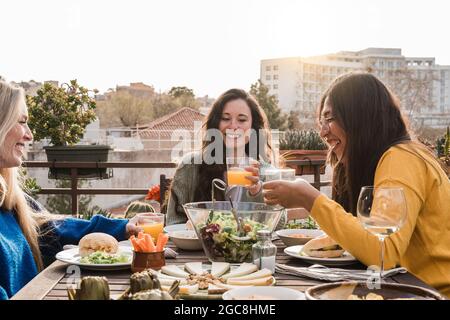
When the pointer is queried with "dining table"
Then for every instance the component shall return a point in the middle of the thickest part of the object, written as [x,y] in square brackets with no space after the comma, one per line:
[52,282]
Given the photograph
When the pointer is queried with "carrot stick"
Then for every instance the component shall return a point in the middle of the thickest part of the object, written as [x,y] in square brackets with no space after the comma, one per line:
[143,244]
[150,245]
[134,244]
[162,240]
[140,235]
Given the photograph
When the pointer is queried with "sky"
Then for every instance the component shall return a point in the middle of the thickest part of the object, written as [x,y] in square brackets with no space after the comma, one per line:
[206,45]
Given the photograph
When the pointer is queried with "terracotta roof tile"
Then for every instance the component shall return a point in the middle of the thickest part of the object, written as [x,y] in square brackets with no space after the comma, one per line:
[181,119]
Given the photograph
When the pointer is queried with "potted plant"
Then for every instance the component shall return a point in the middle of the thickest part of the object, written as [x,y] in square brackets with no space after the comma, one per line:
[443,149]
[303,145]
[61,114]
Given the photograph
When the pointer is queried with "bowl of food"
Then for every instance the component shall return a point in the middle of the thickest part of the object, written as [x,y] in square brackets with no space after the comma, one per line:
[353,290]
[263,293]
[294,237]
[224,239]
[186,240]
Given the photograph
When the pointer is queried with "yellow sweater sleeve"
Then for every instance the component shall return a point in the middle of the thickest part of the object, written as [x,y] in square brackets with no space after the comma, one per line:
[349,233]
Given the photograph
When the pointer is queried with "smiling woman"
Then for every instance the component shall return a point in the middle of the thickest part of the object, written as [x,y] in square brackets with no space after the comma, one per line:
[16,128]
[29,235]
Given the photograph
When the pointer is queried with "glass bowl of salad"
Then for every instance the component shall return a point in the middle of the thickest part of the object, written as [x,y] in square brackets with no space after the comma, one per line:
[218,231]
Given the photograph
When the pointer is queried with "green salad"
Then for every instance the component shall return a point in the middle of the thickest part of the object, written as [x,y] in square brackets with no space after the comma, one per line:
[220,236]
[308,223]
[100,257]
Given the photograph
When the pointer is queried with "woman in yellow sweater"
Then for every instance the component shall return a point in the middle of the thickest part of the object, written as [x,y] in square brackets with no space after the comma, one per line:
[370,145]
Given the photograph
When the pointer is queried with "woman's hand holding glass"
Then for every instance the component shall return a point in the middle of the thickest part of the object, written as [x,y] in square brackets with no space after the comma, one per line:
[244,172]
[256,184]
[290,194]
[137,223]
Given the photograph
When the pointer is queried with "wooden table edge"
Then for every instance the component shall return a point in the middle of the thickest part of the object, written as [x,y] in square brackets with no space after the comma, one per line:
[43,283]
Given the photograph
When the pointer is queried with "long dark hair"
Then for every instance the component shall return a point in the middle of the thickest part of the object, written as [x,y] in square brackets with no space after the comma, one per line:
[208,172]
[370,116]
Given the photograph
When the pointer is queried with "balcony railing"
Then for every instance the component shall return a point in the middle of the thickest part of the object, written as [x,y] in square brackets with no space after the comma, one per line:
[74,191]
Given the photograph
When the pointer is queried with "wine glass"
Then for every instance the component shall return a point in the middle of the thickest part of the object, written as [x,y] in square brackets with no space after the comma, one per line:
[382,212]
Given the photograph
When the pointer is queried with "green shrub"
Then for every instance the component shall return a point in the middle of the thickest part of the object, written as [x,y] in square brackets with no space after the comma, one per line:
[302,140]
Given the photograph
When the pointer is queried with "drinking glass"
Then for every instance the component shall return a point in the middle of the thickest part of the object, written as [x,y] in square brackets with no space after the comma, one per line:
[382,211]
[236,172]
[151,223]
[278,174]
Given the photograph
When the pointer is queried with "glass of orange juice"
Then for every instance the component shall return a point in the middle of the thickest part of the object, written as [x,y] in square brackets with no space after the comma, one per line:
[152,223]
[236,172]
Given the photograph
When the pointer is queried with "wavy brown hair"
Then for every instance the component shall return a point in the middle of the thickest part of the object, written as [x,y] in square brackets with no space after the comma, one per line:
[208,172]
[371,118]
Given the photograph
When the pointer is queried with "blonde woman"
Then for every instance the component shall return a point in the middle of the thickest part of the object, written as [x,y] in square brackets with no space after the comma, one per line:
[22,244]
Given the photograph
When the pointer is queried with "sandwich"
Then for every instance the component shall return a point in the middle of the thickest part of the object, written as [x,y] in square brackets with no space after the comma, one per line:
[97,241]
[322,247]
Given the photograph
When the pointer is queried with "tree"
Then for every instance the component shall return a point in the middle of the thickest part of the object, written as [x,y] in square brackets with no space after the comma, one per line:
[413,87]
[125,109]
[177,92]
[175,99]
[269,103]
[61,113]
[293,121]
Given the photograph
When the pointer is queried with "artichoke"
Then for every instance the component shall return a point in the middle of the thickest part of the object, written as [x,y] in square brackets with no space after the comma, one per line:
[154,294]
[145,280]
[158,294]
[91,288]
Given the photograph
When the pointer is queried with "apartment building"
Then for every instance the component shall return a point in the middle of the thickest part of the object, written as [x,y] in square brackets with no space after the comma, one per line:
[421,84]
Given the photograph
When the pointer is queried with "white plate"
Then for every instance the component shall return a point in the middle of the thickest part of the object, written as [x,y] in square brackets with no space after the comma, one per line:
[346,259]
[72,257]
[175,227]
[263,293]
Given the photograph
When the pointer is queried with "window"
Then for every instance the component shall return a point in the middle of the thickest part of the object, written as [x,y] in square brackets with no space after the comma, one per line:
[275,86]
[275,68]
[267,68]
[268,77]
[275,77]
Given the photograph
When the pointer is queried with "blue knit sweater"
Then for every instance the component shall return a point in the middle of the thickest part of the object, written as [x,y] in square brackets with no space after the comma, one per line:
[17,265]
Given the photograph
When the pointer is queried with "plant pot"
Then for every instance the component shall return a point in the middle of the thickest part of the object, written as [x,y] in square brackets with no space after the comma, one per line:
[79,153]
[304,155]
[147,260]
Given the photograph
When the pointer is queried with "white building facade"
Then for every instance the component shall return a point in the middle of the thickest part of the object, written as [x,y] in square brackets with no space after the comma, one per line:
[422,85]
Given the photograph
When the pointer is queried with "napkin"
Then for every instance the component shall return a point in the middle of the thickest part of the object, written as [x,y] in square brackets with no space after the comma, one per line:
[170,253]
[323,273]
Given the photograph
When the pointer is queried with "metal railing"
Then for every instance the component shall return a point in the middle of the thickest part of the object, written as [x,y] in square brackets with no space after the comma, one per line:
[74,191]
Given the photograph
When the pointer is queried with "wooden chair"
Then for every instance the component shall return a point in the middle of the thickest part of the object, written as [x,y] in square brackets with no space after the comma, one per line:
[164,189]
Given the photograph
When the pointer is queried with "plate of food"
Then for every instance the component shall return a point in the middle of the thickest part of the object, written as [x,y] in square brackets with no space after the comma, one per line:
[353,290]
[321,250]
[263,293]
[293,237]
[209,281]
[98,251]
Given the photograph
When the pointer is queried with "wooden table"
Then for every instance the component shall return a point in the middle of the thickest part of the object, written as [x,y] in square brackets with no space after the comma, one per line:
[51,283]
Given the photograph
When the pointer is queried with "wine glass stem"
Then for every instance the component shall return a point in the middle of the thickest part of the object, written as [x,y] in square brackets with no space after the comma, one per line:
[381,259]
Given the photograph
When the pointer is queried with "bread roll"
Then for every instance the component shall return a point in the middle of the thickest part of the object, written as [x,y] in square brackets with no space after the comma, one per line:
[97,242]
[322,247]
